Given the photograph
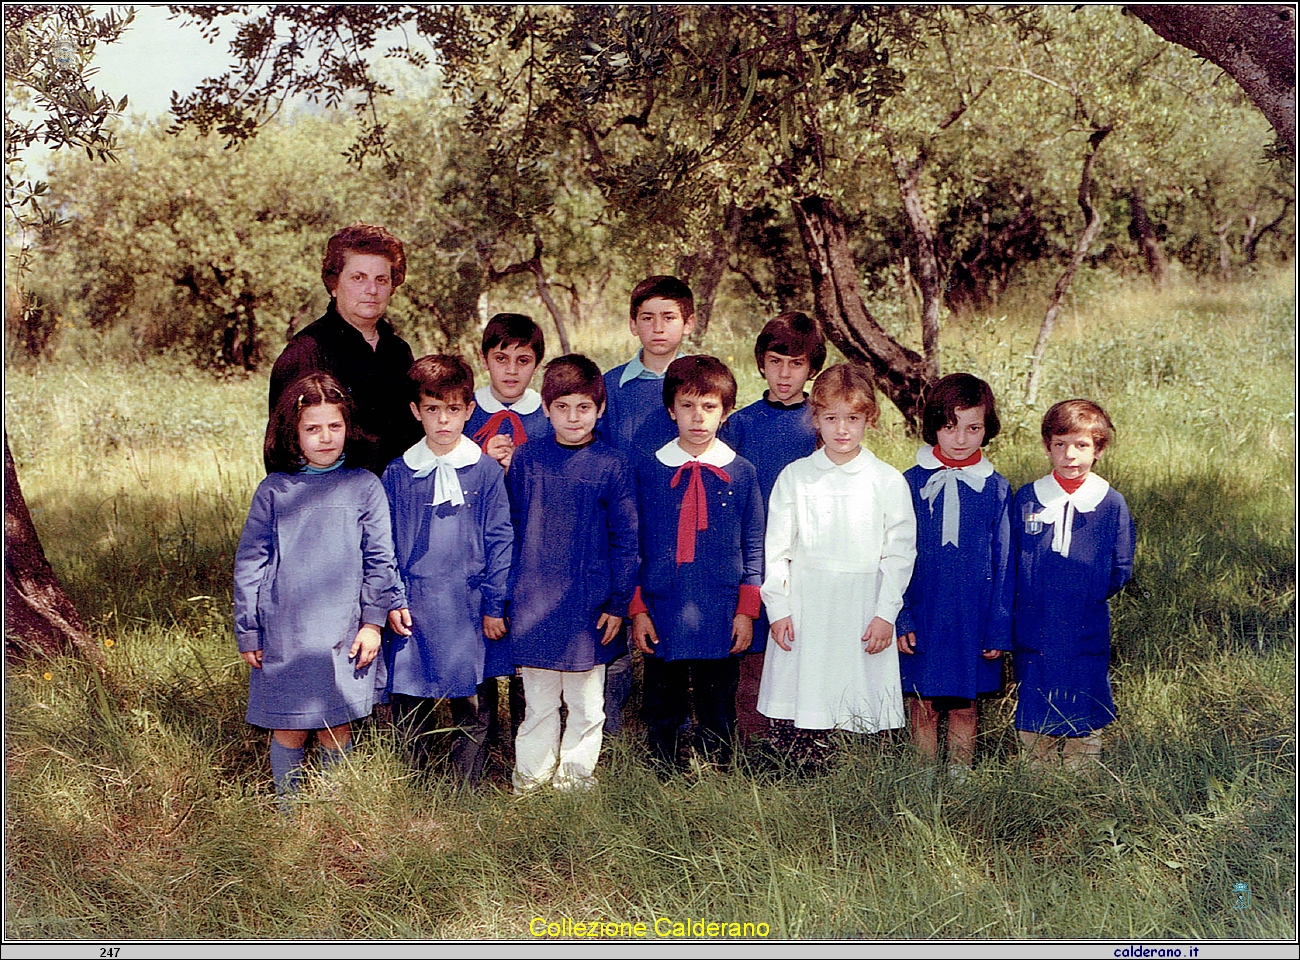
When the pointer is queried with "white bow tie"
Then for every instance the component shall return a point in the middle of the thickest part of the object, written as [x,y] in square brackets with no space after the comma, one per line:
[446,482]
[945,479]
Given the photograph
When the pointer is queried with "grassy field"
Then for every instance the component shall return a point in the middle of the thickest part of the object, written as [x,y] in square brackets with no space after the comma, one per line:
[140,806]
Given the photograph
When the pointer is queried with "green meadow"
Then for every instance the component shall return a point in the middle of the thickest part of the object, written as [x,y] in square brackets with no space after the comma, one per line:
[139,804]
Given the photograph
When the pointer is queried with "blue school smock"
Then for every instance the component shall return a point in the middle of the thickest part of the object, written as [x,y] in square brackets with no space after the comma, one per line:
[575,554]
[454,561]
[528,408]
[771,436]
[314,563]
[959,601]
[693,604]
[635,419]
[1061,618]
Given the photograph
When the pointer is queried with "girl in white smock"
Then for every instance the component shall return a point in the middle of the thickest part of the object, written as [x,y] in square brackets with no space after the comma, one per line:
[841,541]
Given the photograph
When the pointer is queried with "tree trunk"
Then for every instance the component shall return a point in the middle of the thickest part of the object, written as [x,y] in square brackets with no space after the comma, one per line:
[703,270]
[40,620]
[532,265]
[899,372]
[927,259]
[1253,43]
[1145,235]
[1092,224]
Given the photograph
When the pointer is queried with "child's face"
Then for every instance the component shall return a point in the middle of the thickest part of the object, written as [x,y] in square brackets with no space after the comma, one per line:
[1072,454]
[510,370]
[786,376]
[573,417]
[841,428]
[698,418]
[962,439]
[443,421]
[660,326]
[322,431]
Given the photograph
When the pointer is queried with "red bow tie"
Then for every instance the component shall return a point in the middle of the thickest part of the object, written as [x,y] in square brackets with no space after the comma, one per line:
[695,507]
[493,426]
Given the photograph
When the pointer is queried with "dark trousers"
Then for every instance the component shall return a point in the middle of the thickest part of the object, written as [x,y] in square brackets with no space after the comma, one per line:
[416,722]
[497,735]
[672,687]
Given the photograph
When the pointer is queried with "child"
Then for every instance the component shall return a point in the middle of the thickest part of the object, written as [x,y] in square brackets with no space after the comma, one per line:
[771,433]
[662,313]
[508,411]
[314,580]
[956,617]
[451,527]
[573,503]
[1073,538]
[702,552]
[841,540]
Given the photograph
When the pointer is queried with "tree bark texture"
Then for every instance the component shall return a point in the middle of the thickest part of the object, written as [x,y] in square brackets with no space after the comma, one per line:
[897,371]
[703,269]
[532,265]
[40,619]
[1145,234]
[927,257]
[1092,224]
[1253,43]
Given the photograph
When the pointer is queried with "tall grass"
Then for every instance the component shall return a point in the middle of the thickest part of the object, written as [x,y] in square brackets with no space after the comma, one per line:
[139,805]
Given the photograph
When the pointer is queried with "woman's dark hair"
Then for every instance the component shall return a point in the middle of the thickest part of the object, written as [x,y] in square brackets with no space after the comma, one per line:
[281,451]
[958,391]
[361,238]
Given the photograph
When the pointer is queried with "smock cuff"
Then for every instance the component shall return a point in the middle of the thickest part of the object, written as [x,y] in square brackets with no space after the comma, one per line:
[750,602]
[637,605]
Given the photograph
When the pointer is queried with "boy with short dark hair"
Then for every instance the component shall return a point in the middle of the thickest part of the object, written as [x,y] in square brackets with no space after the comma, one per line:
[701,515]
[771,433]
[1073,538]
[573,502]
[507,410]
[661,314]
[450,512]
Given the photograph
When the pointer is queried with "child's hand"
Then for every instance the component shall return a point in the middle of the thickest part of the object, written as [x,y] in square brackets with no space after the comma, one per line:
[988,654]
[501,448]
[366,645]
[399,621]
[643,633]
[907,643]
[742,633]
[879,635]
[783,633]
[494,628]
[611,625]
[252,657]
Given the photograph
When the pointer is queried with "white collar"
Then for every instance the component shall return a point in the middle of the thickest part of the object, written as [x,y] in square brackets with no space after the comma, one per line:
[926,459]
[530,402]
[1085,500]
[672,455]
[1060,507]
[466,453]
[856,465]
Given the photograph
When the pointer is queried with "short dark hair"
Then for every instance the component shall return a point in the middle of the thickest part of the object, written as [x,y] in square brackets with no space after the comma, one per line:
[792,335]
[573,373]
[845,383]
[669,288]
[281,451]
[700,376]
[1079,416]
[441,376]
[514,330]
[361,238]
[958,391]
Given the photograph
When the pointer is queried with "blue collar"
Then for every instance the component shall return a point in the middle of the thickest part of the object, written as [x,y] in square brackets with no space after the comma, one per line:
[636,370]
[310,471]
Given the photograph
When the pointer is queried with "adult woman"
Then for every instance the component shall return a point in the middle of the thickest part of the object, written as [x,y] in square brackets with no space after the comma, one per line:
[363,265]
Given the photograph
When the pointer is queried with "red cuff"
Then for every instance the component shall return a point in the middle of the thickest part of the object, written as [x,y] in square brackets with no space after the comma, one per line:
[637,605]
[750,602]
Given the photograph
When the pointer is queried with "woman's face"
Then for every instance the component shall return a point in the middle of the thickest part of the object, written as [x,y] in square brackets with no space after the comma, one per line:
[364,288]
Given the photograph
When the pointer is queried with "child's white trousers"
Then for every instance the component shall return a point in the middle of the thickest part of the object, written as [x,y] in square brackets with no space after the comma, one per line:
[541,756]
